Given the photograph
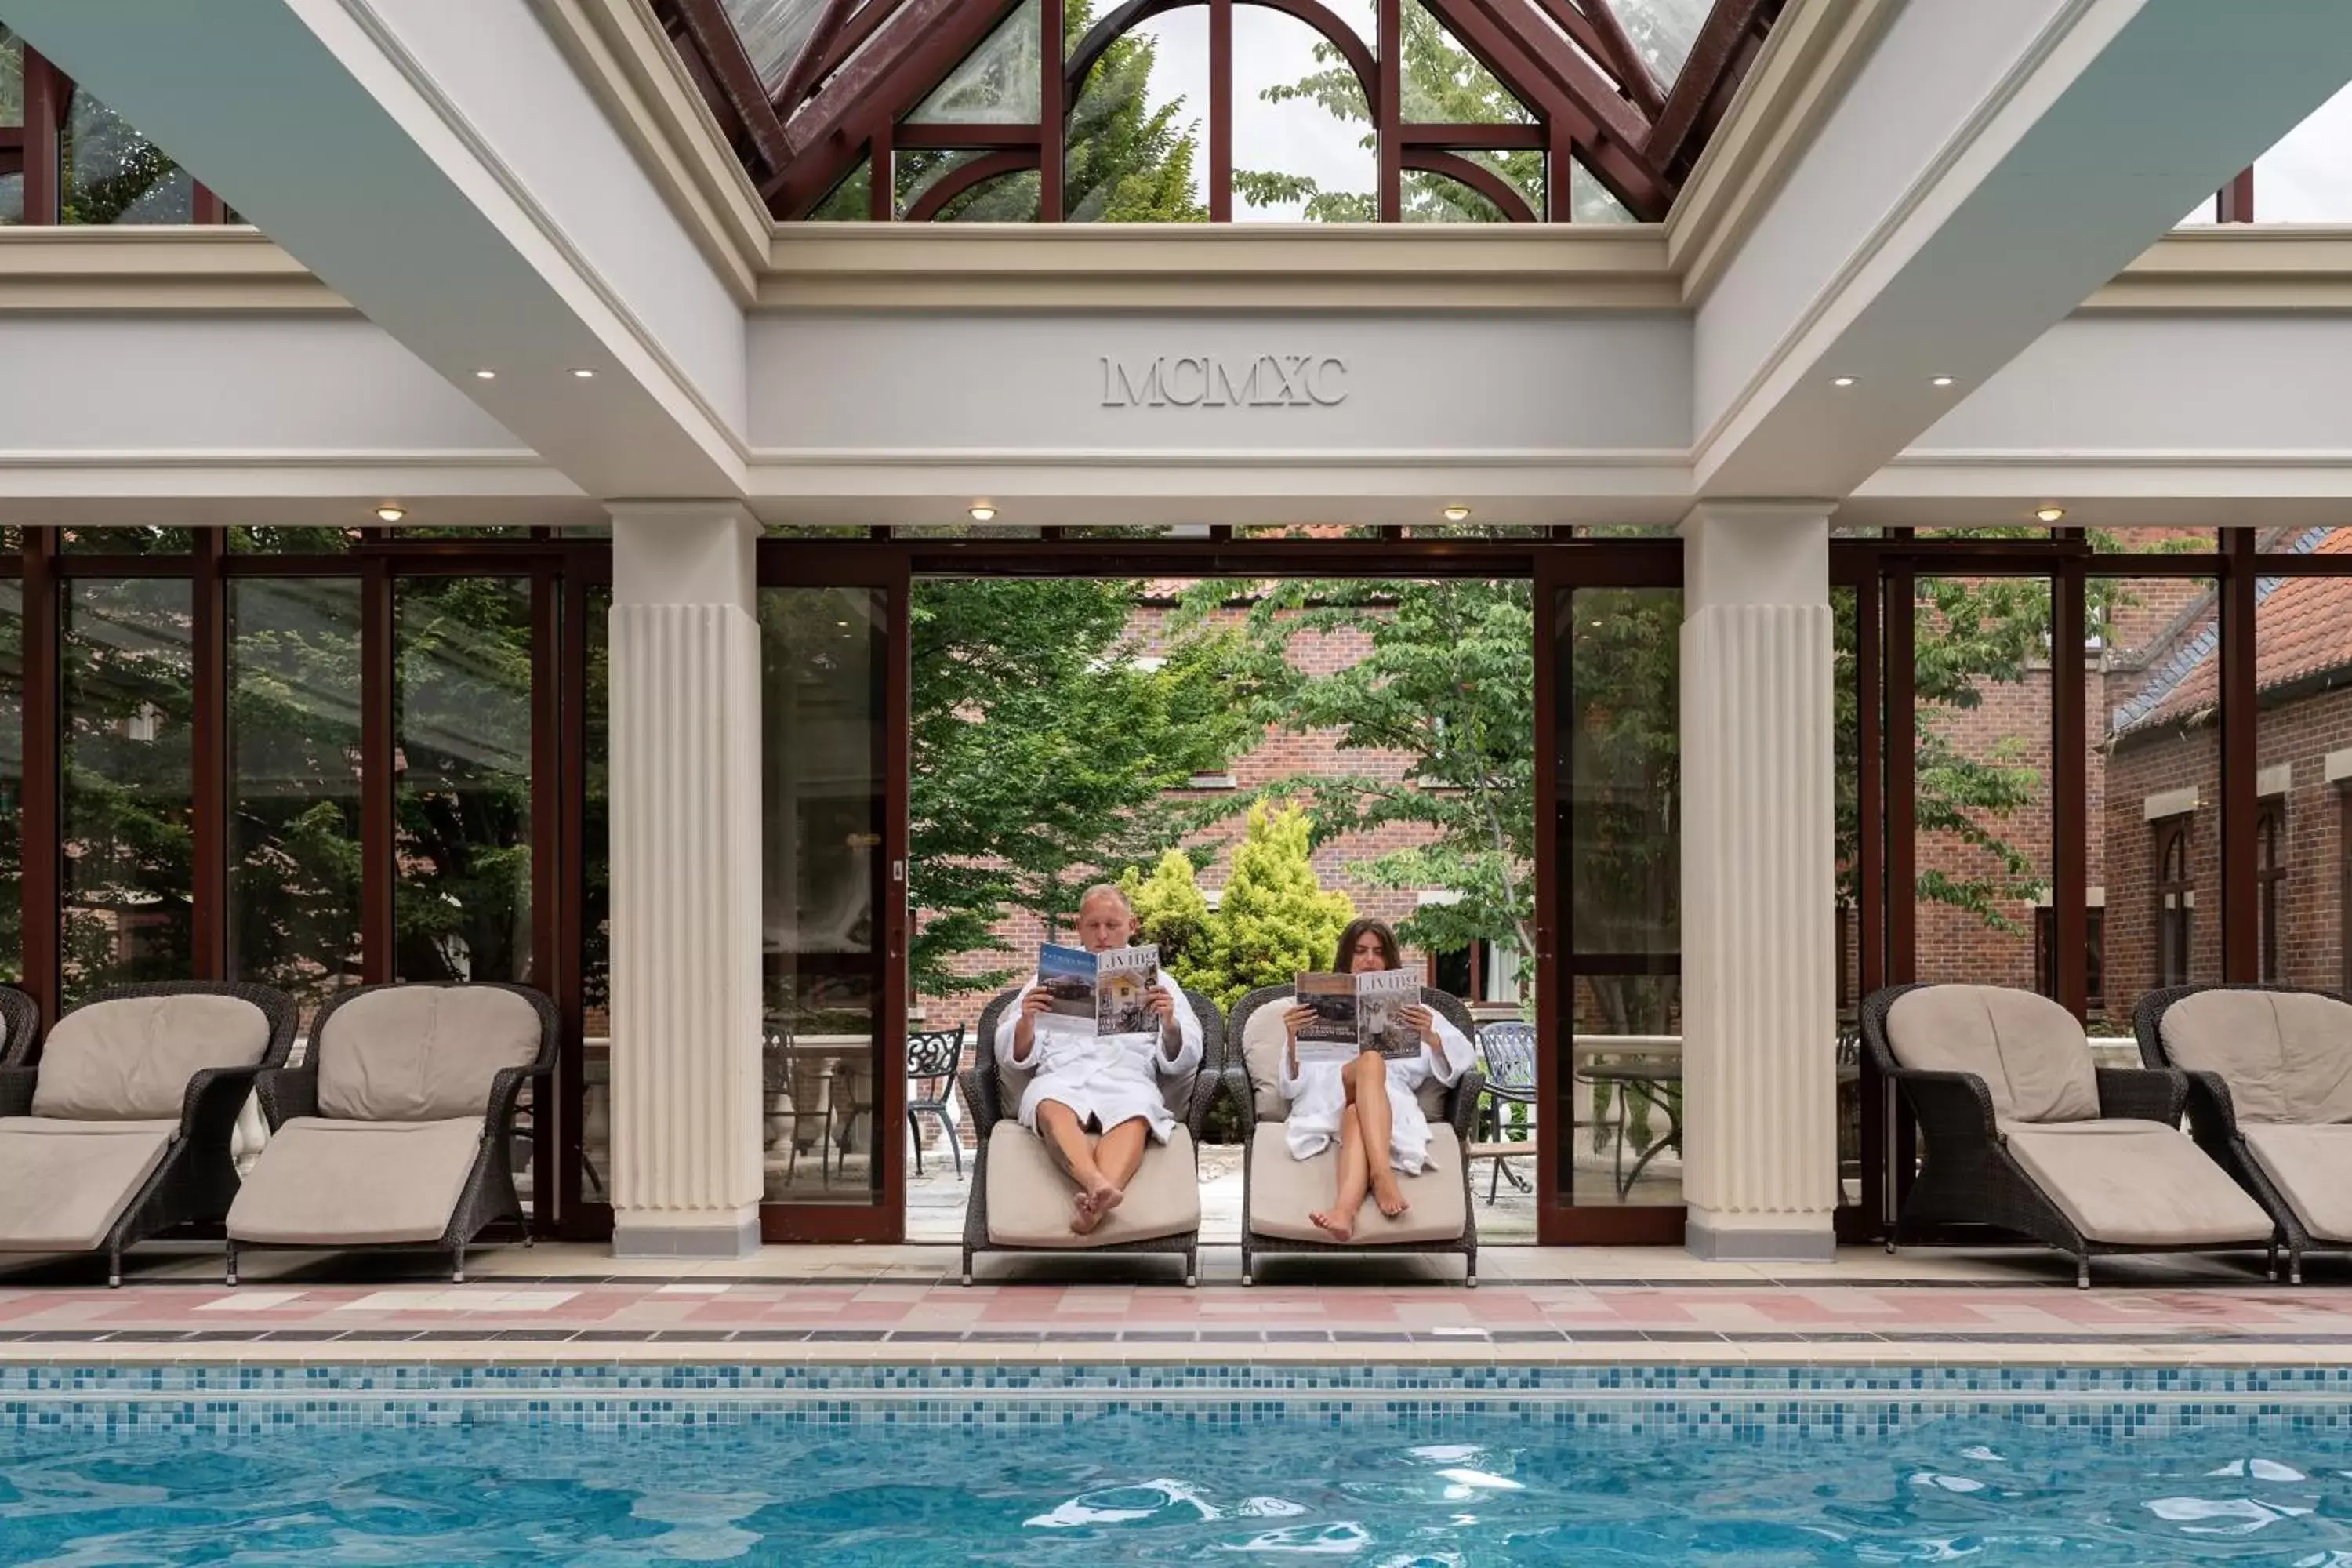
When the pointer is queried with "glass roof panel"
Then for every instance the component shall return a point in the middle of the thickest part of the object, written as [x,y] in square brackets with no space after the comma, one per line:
[1443,82]
[12,79]
[772,32]
[998,83]
[1664,30]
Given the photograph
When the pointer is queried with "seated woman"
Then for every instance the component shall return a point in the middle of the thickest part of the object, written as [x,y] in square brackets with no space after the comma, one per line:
[1368,1103]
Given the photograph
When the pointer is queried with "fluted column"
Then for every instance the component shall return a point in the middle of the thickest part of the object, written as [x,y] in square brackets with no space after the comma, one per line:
[1760,1003]
[686,881]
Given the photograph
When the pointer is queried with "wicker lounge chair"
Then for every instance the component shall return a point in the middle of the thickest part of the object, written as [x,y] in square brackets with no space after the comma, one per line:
[118,1126]
[1278,1191]
[1020,1199]
[2021,1131]
[20,1026]
[2270,1098]
[398,1130]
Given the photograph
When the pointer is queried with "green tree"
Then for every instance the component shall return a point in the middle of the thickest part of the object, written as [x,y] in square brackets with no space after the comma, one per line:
[1123,159]
[1043,745]
[1171,908]
[1447,679]
[1274,917]
[1444,84]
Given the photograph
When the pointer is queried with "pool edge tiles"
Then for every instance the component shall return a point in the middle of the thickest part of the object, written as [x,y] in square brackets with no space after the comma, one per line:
[1242,1378]
[1787,1403]
[454,1350]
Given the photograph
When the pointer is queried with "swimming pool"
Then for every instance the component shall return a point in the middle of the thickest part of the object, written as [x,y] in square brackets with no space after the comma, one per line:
[924,1465]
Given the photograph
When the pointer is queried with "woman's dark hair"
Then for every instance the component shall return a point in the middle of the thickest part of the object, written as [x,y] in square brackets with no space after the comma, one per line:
[1390,952]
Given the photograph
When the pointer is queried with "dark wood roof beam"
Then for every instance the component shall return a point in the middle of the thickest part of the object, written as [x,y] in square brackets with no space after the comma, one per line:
[1517,45]
[705,25]
[808,67]
[914,50]
[1712,53]
[862,23]
[1475,175]
[1503,138]
[1618,48]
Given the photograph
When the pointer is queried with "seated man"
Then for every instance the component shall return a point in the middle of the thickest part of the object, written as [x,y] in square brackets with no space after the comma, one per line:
[1094,1101]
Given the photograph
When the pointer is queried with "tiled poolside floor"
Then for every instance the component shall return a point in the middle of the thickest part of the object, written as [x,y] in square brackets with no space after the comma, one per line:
[905,1303]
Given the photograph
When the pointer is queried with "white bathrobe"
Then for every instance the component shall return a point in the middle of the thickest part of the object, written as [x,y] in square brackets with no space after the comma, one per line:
[1105,1078]
[1319,1097]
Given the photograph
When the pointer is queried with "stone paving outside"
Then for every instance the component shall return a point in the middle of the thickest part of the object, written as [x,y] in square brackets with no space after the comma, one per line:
[880,1302]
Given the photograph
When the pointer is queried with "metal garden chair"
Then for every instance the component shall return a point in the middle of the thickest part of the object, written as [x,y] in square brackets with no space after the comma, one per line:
[1509,1052]
[933,1056]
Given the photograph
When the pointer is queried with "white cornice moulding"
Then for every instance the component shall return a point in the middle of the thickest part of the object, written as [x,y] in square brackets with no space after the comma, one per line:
[1302,267]
[621,52]
[1809,57]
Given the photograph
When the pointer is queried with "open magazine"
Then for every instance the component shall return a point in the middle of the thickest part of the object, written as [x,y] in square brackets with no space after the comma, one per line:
[1100,992]
[1355,1012]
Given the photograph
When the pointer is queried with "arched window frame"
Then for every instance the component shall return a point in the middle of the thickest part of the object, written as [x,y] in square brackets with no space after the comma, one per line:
[2175,891]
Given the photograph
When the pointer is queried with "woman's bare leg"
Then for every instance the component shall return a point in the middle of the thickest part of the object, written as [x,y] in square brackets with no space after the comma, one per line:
[1370,1073]
[1339,1219]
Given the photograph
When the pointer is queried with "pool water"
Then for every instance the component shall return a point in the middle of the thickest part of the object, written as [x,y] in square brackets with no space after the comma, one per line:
[1095,1486]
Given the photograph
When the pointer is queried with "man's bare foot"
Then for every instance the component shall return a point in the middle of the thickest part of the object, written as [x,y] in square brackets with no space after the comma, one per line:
[1084,1217]
[1106,1197]
[1391,1200]
[1340,1229]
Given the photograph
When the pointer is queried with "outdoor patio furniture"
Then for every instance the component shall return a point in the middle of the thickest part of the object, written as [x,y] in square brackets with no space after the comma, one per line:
[118,1126]
[2020,1130]
[1507,1049]
[1020,1199]
[20,1026]
[933,1056]
[2270,1098]
[398,1129]
[1649,1082]
[1279,1191]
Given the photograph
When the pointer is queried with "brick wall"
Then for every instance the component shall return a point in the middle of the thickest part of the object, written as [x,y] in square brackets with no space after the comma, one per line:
[1280,754]
[2309,898]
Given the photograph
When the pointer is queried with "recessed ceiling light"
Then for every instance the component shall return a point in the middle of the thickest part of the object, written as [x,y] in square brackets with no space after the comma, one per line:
[486,375]
[2050,513]
[982,511]
[584,375]
[1456,513]
[1939,381]
[1841,381]
[389,512]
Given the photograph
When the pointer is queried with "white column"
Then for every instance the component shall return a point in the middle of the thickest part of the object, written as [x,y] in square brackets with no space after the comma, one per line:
[686,858]
[1759,1006]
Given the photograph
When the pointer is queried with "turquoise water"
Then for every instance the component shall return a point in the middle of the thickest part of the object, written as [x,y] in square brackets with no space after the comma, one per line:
[1126,1487]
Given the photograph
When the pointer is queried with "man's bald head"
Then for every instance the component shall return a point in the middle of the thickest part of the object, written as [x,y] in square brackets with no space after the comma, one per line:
[1106,919]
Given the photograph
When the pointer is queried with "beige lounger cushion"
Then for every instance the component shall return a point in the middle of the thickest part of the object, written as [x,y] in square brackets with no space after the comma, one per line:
[1029,1198]
[2136,1184]
[422,1053]
[1284,1192]
[131,1059]
[342,1184]
[1264,1041]
[2311,1167]
[2030,1051]
[2286,1056]
[63,1184]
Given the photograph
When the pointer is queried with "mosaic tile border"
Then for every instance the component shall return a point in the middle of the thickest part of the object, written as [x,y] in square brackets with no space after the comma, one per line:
[1770,1421]
[30,1383]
